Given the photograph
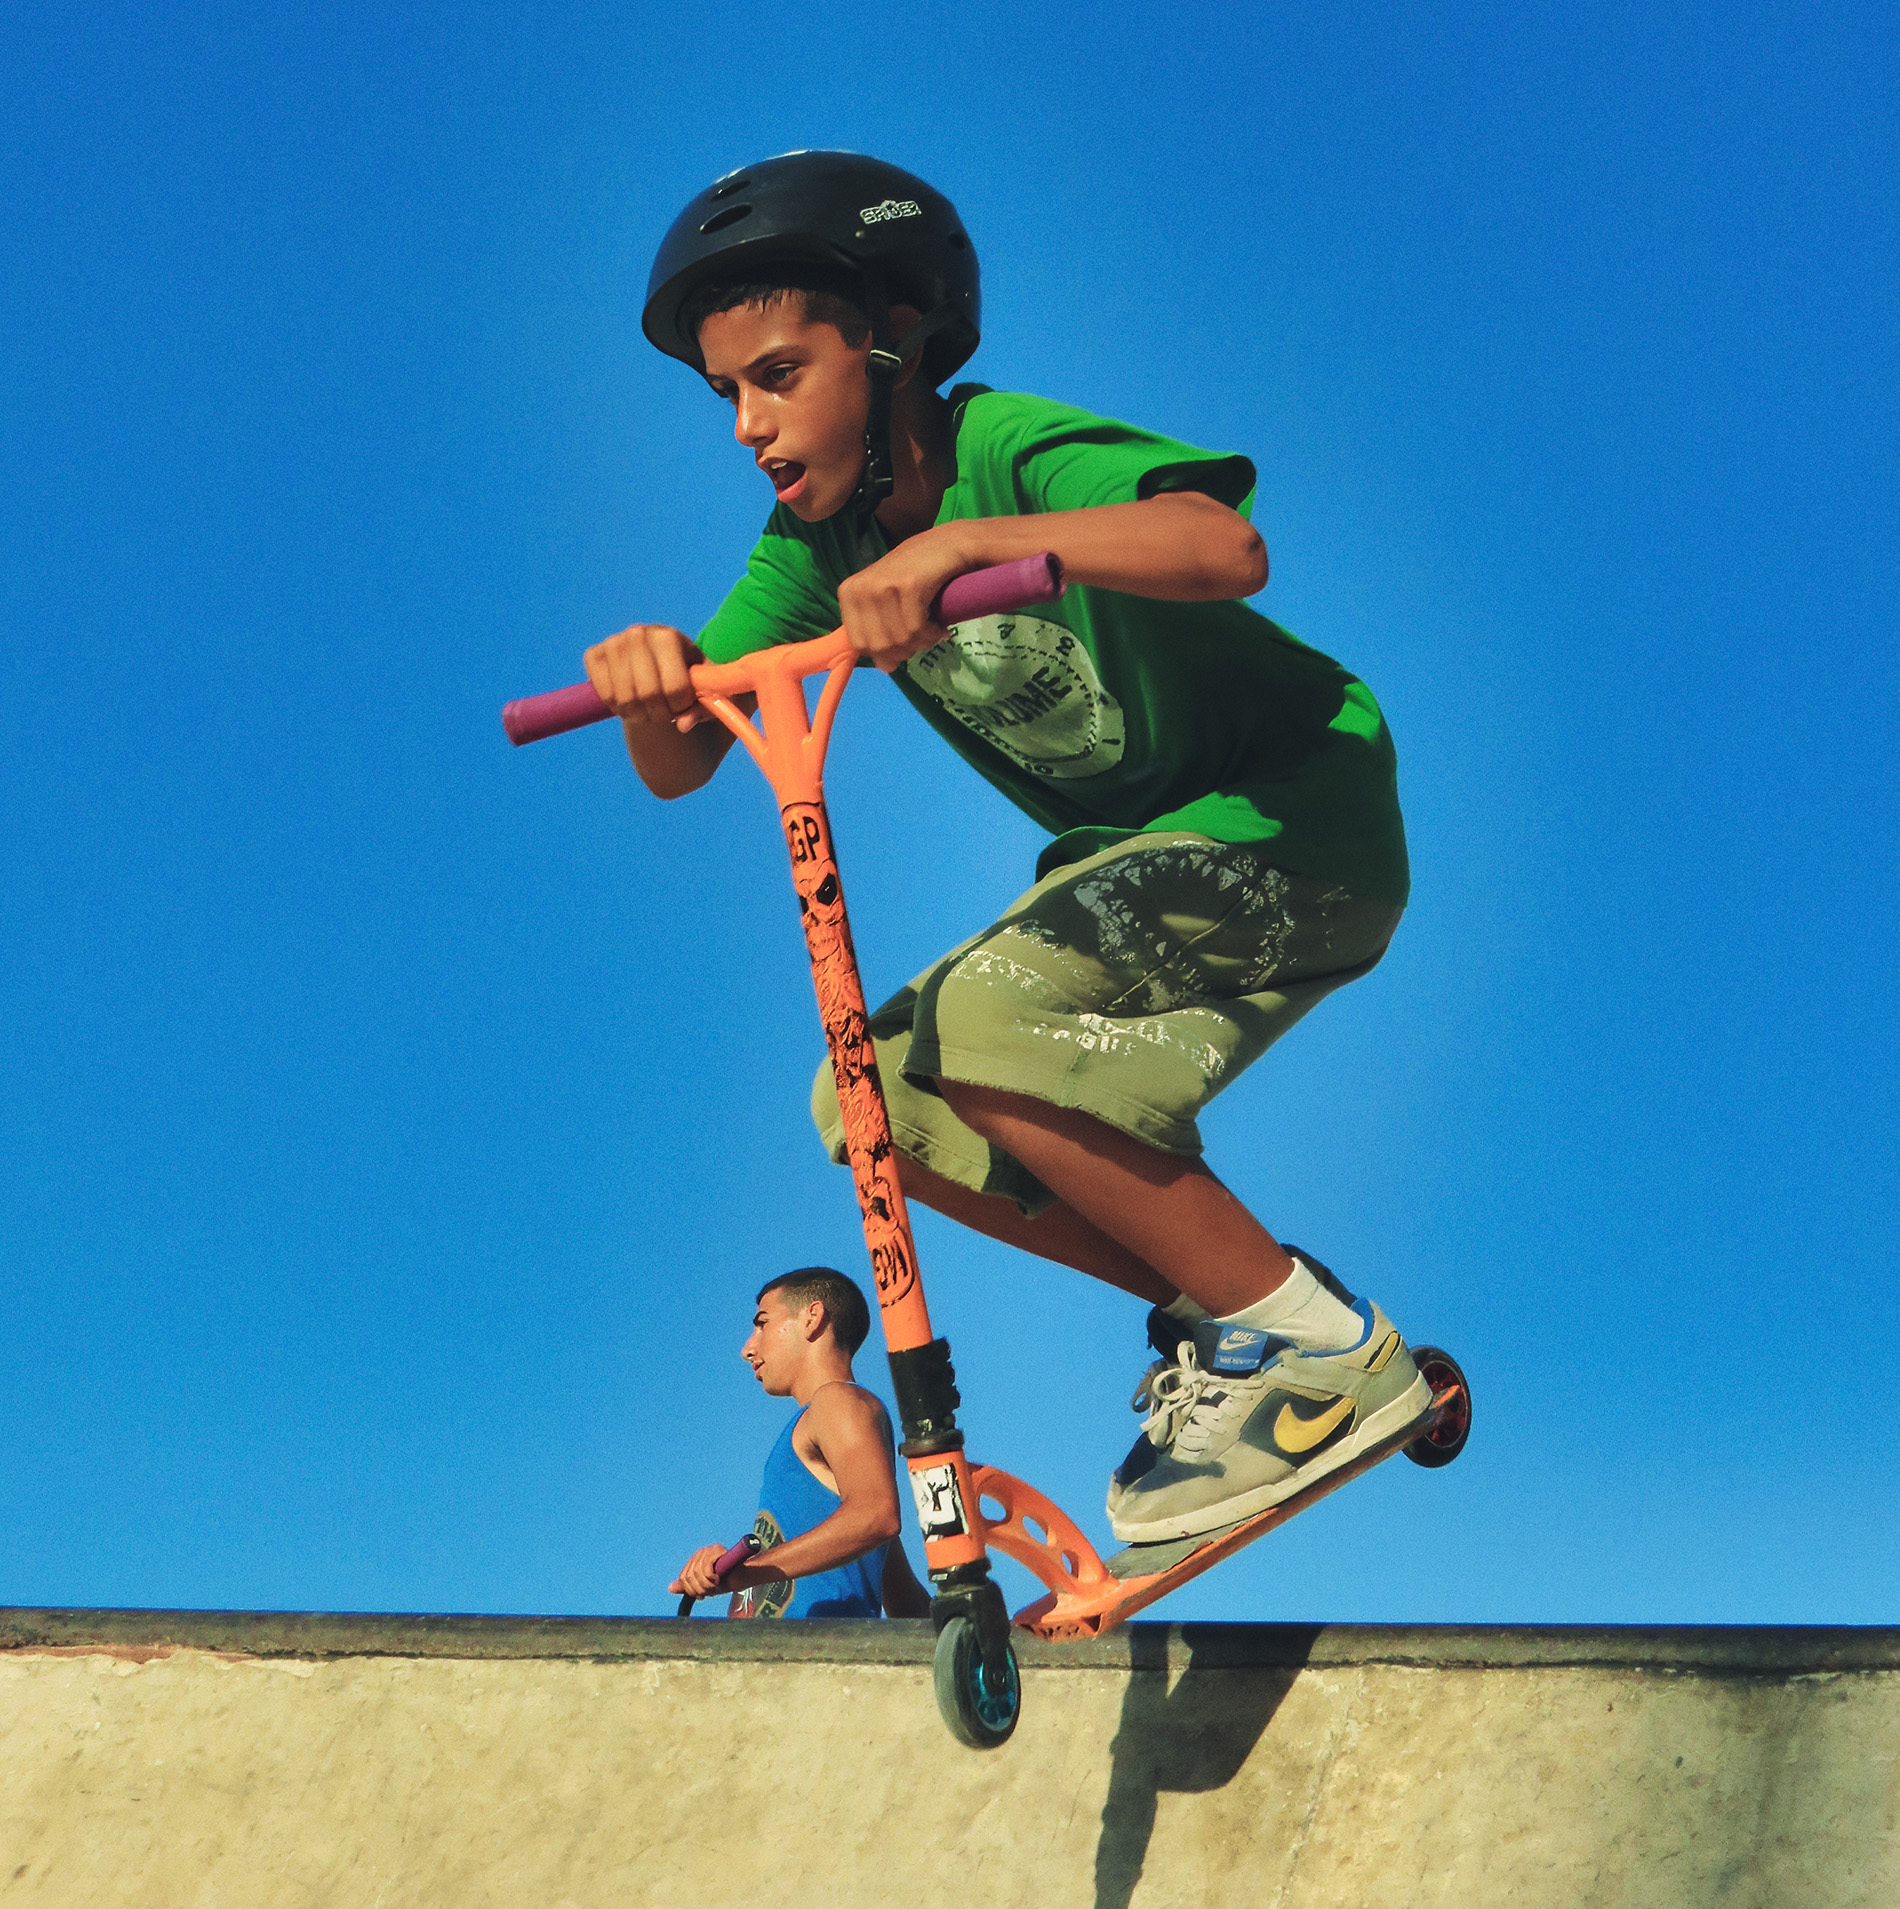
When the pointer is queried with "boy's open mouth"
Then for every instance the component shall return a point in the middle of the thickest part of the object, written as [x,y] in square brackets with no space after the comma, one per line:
[786,476]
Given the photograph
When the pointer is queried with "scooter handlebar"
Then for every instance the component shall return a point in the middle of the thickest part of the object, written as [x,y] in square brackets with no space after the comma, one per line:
[746,1549]
[991,592]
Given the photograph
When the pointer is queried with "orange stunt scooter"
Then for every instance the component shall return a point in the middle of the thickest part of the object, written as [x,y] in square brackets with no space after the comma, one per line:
[978,1688]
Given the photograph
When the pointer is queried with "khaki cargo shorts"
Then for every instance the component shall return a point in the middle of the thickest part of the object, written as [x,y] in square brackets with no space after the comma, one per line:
[1134,985]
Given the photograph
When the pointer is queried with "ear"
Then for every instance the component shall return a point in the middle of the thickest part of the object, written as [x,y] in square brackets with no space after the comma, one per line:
[816,1322]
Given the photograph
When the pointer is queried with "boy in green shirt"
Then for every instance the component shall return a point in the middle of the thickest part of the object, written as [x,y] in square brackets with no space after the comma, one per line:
[1227,851]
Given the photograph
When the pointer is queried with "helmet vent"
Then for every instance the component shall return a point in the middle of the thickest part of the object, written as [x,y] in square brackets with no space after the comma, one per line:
[727,187]
[730,216]
[959,242]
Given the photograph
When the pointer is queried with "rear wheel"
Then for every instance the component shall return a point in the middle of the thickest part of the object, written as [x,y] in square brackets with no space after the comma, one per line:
[980,1704]
[1447,1438]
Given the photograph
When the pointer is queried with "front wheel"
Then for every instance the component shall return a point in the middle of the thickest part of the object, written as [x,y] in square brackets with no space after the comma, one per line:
[1447,1438]
[980,1705]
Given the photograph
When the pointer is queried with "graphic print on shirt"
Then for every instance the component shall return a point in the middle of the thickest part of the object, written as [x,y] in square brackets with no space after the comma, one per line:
[763,1600]
[1031,689]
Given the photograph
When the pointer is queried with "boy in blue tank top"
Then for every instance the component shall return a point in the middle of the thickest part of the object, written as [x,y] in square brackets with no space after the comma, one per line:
[828,1507]
[1227,846]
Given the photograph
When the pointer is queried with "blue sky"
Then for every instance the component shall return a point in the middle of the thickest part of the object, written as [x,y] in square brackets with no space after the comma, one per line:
[396,1126]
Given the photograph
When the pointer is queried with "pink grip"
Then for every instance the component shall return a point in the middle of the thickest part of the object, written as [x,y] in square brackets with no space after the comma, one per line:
[1001,588]
[553,713]
[747,1547]
[738,1555]
[992,592]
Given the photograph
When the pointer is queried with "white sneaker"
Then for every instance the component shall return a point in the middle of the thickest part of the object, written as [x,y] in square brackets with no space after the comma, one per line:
[1255,1420]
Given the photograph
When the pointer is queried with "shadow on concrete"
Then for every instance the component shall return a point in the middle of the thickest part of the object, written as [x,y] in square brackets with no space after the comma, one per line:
[1187,1741]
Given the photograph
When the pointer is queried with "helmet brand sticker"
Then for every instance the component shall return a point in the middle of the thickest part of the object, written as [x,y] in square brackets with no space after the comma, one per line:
[1029,688]
[891,209]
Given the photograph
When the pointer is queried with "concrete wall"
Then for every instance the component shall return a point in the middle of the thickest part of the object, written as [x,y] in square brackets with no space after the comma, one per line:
[154,1759]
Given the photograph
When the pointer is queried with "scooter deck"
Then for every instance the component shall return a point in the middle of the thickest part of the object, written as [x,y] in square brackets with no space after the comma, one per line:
[1088,1597]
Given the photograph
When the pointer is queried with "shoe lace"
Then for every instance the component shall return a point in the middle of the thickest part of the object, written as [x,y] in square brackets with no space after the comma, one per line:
[1171,1391]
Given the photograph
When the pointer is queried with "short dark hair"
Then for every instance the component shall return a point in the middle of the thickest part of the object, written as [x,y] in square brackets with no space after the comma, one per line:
[826,297]
[840,1297]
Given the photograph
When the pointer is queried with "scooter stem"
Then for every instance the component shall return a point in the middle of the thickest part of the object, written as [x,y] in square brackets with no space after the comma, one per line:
[790,749]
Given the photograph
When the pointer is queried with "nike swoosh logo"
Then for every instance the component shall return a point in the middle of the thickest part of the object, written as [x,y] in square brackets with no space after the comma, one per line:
[1239,1341]
[1292,1433]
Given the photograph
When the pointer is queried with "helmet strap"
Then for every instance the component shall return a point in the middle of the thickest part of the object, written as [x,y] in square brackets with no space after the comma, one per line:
[883,366]
[876,480]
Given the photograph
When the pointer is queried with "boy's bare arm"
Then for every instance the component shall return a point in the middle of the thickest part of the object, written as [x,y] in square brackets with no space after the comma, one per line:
[847,1425]
[1180,547]
[642,676]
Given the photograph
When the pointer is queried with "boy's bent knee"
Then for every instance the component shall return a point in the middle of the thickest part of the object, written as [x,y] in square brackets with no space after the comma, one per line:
[928,1132]
[984,1110]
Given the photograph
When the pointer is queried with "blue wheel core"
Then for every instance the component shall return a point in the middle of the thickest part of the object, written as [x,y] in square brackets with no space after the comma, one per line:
[979,1702]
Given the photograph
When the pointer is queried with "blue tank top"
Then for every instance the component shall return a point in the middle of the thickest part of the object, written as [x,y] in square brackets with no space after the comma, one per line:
[791,1502]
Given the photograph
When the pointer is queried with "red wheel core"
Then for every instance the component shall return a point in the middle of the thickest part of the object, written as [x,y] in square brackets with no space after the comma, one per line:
[1452,1427]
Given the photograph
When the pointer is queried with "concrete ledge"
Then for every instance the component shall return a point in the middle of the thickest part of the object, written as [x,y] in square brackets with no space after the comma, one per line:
[271,1760]
[1716,1650]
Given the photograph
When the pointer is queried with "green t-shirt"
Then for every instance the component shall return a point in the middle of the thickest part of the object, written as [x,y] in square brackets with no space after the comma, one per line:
[1104,715]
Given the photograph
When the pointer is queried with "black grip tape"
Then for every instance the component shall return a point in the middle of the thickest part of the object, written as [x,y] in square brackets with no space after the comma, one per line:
[926,1386]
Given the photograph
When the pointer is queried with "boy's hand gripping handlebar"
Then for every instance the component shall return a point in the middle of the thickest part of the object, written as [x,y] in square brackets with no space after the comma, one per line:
[992,592]
[743,1552]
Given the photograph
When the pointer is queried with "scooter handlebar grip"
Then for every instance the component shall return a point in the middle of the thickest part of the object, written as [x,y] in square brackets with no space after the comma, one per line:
[746,1549]
[1001,588]
[553,713]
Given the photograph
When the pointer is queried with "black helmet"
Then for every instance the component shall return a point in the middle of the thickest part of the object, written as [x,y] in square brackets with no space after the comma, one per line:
[900,238]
